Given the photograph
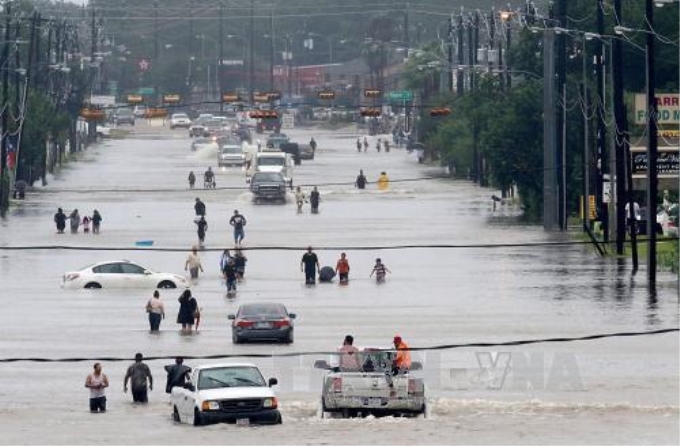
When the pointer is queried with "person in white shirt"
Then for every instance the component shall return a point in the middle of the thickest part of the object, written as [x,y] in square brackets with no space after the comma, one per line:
[193,263]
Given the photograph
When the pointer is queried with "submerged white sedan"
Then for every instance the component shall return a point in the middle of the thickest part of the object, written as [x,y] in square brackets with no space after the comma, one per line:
[120,274]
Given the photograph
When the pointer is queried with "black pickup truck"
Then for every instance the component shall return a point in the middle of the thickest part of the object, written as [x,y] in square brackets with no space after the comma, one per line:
[269,186]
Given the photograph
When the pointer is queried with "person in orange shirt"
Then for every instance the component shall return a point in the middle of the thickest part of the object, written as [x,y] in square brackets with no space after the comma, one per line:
[402,362]
[342,269]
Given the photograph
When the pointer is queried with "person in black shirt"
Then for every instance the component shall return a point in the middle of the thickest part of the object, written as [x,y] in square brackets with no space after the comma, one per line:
[60,221]
[310,265]
[199,207]
[314,198]
[202,227]
[238,221]
[361,180]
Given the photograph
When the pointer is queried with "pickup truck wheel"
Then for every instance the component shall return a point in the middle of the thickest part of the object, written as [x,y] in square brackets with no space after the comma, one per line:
[198,421]
[175,415]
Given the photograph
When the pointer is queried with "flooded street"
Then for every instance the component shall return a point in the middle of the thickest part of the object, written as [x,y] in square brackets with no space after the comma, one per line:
[608,391]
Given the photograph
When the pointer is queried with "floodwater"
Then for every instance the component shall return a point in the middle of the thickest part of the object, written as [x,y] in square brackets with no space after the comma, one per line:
[607,391]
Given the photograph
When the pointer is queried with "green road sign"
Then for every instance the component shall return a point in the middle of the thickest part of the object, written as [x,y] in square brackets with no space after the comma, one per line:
[403,96]
[146,91]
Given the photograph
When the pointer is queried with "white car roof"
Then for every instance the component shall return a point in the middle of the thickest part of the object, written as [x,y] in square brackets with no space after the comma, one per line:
[222,365]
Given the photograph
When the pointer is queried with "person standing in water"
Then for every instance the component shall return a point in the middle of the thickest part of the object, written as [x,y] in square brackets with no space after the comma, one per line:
[60,221]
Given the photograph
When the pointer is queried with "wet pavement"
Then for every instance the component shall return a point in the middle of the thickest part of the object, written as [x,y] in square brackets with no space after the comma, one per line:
[617,390]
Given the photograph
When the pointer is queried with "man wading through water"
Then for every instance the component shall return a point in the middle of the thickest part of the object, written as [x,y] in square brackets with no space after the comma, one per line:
[138,373]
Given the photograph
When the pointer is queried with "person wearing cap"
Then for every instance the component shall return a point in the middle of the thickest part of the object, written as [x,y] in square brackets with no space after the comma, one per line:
[402,361]
[138,373]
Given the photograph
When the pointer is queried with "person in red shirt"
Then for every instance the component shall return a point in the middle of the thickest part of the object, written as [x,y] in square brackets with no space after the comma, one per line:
[342,269]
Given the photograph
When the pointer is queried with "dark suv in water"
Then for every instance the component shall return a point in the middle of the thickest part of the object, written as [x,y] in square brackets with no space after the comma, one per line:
[269,186]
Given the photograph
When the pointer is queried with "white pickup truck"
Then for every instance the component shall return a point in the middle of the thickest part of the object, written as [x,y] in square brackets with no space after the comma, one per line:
[226,393]
[368,392]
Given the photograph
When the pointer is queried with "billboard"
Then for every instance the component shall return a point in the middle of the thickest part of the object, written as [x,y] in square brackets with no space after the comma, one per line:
[668,106]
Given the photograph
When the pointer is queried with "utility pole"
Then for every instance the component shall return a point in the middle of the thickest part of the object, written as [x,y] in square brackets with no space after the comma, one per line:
[17,76]
[92,125]
[602,162]
[156,45]
[271,51]
[4,174]
[508,43]
[620,141]
[652,149]
[460,79]
[251,51]
[560,121]
[220,75]
[192,37]
[550,193]
[449,69]
[471,51]
[406,25]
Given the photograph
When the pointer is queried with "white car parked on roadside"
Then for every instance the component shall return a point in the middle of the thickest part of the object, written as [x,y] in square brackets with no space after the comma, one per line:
[120,274]
[226,393]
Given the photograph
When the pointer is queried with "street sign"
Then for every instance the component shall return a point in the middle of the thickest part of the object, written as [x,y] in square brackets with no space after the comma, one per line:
[146,91]
[326,95]
[171,98]
[134,99]
[372,93]
[402,96]
[232,62]
[230,97]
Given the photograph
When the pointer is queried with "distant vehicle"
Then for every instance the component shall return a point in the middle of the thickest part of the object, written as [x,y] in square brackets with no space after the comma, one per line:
[214,126]
[306,152]
[262,321]
[231,153]
[180,120]
[103,131]
[124,116]
[275,140]
[197,127]
[367,391]
[203,143]
[270,186]
[270,124]
[226,393]
[120,274]
[139,111]
[279,162]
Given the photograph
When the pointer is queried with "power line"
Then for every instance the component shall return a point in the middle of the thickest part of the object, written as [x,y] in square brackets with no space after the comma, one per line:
[476,344]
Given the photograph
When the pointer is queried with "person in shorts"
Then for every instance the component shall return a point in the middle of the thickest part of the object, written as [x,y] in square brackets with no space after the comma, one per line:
[342,268]
[238,221]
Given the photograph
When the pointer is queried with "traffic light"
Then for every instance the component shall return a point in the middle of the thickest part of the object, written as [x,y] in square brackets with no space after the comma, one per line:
[326,95]
[370,112]
[440,112]
[372,93]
